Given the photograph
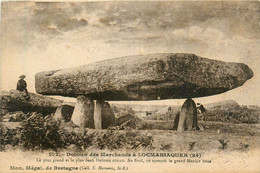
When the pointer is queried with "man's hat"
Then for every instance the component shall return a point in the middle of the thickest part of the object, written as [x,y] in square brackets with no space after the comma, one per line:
[22,76]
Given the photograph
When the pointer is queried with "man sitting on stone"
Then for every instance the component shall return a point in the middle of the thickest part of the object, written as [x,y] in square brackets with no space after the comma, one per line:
[22,86]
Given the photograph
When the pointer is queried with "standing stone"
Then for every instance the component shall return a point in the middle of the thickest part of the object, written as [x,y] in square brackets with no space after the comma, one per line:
[176,121]
[108,116]
[83,114]
[188,116]
[97,114]
[64,112]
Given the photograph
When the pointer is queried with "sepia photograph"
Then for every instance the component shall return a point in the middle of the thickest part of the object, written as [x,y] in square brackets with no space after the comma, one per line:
[130,86]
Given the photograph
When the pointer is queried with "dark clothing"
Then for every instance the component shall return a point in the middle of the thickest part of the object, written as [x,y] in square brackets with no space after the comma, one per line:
[202,109]
[21,85]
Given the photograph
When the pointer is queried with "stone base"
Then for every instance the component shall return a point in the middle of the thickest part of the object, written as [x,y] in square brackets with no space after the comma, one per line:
[88,114]
[103,115]
[98,114]
[188,116]
[108,116]
[64,112]
[83,114]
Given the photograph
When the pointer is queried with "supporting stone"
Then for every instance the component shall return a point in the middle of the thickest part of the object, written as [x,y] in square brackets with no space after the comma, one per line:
[64,112]
[108,116]
[98,114]
[83,114]
[188,116]
[176,121]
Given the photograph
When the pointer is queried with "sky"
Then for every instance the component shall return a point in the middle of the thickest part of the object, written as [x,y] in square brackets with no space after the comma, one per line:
[38,36]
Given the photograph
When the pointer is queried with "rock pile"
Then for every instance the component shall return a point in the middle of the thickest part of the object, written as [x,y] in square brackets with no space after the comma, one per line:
[16,101]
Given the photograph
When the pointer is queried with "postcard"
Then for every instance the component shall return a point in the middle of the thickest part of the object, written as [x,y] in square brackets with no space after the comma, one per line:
[130,86]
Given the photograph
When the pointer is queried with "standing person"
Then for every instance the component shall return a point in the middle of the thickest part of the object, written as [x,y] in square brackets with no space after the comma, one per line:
[22,86]
[201,109]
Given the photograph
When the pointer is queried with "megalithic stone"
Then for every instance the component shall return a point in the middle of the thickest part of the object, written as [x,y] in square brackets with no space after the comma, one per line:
[145,77]
[176,121]
[15,100]
[83,114]
[97,114]
[64,112]
[108,116]
[188,116]
[195,118]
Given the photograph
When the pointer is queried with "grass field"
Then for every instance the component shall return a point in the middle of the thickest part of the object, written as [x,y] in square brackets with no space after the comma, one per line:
[224,146]
[215,136]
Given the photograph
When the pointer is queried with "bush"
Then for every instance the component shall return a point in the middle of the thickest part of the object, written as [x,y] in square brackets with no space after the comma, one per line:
[80,140]
[39,133]
[8,137]
[115,139]
[237,115]
[44,133]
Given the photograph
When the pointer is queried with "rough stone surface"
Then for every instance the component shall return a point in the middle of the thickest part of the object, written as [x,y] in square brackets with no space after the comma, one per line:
[16,101]
[83,114]
[108,116]
[97,114]
[145,77]
[188,116]
[64,112]
[176,121]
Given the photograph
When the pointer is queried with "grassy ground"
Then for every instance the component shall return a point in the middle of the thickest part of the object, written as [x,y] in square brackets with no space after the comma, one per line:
[216,136]
[229,148]
[240,129]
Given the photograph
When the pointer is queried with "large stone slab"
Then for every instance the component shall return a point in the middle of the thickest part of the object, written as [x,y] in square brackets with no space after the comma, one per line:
[145,77]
